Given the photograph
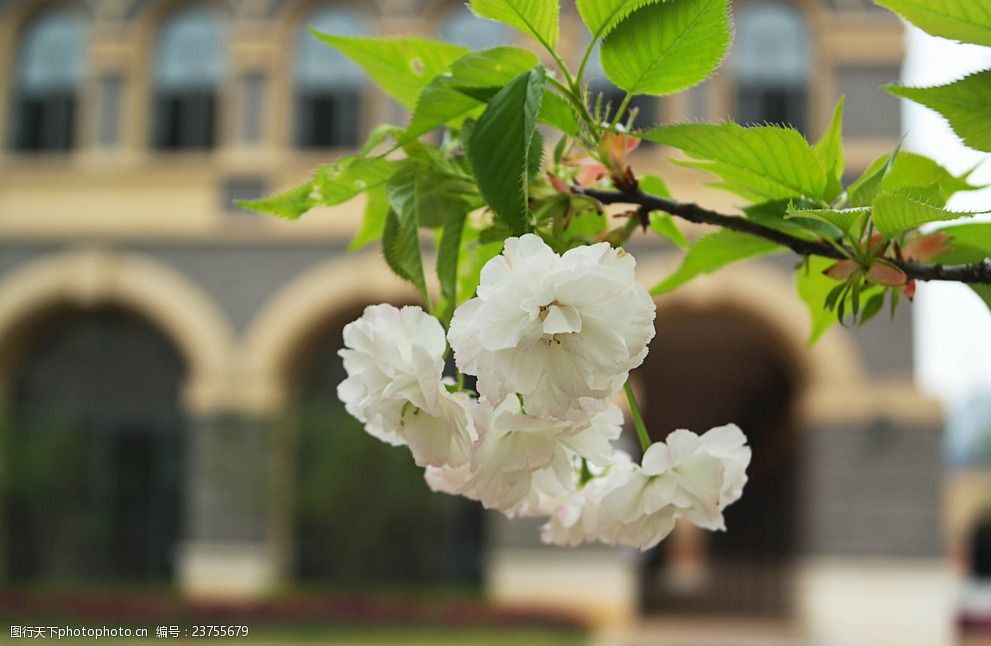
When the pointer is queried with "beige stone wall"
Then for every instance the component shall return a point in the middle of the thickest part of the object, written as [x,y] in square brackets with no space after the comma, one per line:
[129,190]
[966,500]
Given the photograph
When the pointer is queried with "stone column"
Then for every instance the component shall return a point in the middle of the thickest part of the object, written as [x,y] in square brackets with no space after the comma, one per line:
[872,560]
[229,547]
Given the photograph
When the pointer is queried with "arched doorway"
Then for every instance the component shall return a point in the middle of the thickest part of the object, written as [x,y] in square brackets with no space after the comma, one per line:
[710,365]
[363,516]
[94,448]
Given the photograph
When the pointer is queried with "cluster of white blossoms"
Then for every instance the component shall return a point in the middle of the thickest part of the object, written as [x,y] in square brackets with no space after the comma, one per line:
[551,340]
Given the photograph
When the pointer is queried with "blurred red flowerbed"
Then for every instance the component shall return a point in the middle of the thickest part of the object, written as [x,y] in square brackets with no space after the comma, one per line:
[123,606]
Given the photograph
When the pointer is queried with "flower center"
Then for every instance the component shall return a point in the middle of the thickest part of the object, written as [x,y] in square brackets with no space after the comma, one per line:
[557,318]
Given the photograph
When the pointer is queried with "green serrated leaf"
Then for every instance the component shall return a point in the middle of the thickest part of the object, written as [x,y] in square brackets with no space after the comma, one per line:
[984,292]
[966,104]
[378,136]
[419,192]
[440,104]
[968,21]
[872,307]
[448,252]
[664,48]
[968,243]
[402,67]
[448,99]
[373,219]
[495,233]
[556,112]
[536,18]
[829,150]
[929,181]
[654,185]
[895,212]
[600,16]
[896,296]
[819,293]
[848,221]
[834,295]
[288,205]
[841,304]
[401,248]
[759,163]
[773,215]
[588,224]
[535,157]
[499,148]
[664,225]
[493,67]
[341,182]
[714,251]
[865,187]
[331,185]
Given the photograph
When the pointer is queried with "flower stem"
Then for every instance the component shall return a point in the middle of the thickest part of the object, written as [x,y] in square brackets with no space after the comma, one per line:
[620,110]
[637,418]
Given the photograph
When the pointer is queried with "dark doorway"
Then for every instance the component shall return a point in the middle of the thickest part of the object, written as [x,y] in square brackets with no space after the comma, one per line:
[709,366]
[363,516]
[94,450]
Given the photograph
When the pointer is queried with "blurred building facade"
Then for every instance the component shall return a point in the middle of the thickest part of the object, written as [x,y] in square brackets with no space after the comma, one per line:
[189,346]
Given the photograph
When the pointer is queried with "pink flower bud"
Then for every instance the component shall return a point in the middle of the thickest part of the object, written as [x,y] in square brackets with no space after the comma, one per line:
[882,274]
[926,247]
[616,146]
[842,270]
[909,289]
[588,174]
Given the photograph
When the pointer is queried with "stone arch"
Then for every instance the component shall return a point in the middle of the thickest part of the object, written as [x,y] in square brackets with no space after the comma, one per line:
[832,362]
[168,300]
[310,299]
[758,327]
[289,358]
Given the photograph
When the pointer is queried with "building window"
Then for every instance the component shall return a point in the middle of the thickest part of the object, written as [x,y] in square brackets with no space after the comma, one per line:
[50,64]
[328,85]
[189,67]
[771,65]
[460,26]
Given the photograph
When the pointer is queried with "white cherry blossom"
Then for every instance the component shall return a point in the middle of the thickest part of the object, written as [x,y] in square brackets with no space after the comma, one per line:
[552,328]
[706,473]
[551,339]
[520,461]
[573,513]
[394,361]
[687,476]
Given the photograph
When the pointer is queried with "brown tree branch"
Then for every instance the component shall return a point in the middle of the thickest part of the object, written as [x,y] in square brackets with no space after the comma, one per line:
[978,272]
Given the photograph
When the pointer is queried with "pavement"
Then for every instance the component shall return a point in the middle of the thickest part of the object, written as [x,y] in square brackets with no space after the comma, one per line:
[705,632]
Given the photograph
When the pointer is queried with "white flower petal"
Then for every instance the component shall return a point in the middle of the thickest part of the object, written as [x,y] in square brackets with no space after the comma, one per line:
[394,360]
[552,328]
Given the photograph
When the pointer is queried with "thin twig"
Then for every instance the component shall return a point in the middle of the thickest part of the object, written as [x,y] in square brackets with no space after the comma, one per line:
[978,272]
